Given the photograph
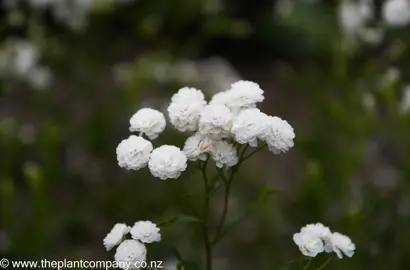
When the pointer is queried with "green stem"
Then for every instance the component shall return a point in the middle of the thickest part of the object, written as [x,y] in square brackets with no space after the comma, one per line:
[252,153]
[325,263]
[224,209]
[307,265]
[228,182]
[205,234]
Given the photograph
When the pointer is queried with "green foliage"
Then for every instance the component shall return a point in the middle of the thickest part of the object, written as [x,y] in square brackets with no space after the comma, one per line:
[62,191]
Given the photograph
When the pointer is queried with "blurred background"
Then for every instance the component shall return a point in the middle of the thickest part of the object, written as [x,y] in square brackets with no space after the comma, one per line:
[72,73]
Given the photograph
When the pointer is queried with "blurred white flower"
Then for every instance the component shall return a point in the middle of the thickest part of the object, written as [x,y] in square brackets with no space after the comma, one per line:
[320,231]
[392,75]
[40,3]
[167,161]
[405,100]
[134,153]
[25,58]
[146,232]
[215,121]
[396,13]
[248,125]
[310,245]
[129,253]
[284,7]
[148,121]
[115,236]
[73,13]
[342,244]
[280,135]
[19,59]
[224,154]
[27,133]
[368,100]
[353,15]
[39,77]
[372,35]
[197,146]
[185,109]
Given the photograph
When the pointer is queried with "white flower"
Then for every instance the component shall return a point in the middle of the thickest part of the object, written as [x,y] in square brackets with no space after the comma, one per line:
[189,94]
[215,121]
[320,231]
[342,243]
[197,146]
[248,125]
[280,136]
[133,153]
[396,12]
[146,232]
[115,236]
[220,98]
[354,15]
[310,245]
[185,108]
[185,115]
[167,161]
[224,153]
[148,121]
[244,94]
[130,253]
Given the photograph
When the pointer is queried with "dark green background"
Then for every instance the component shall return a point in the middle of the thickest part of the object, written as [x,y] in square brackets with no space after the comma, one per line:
[350,168]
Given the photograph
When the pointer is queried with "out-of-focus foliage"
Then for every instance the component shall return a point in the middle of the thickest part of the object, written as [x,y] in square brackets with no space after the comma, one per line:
[61,189]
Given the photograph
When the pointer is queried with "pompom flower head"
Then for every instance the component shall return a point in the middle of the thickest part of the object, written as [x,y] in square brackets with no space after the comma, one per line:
[167,161]
[148,121]
[115,236]
[129,253]
[224,154]
[185,109]
[341,244]
[310,245]
[320,231]
[133,153]
[248,125]
[243,94]
[279,136]
[146,232]
[197,146]
[215,121]
[189,94]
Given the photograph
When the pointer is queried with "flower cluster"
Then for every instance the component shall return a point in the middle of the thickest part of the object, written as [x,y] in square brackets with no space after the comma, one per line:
[228,120]
[132,250]
[316,238]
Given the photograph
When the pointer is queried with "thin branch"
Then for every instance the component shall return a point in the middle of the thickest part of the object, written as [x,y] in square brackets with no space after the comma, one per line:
[208,246]
[307,265]
[325,263]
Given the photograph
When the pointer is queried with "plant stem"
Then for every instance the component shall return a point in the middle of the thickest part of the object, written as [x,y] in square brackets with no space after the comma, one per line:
[205,234]
[228,182]
[307,265]
[252,153]
[325,263]
[224,209]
